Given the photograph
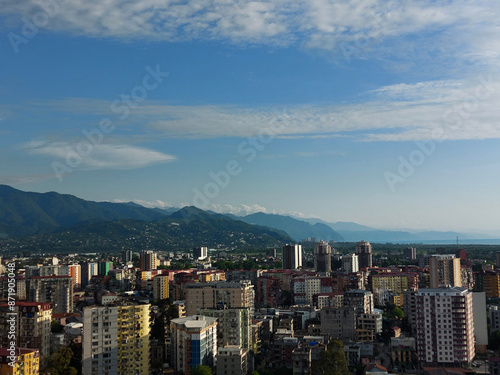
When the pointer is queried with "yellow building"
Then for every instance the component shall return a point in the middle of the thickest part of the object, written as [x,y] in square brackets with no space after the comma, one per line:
[160,286]
[398,299]
[133,339]
[116,339]
[445,271]
[394,282]
[491,284]
[27,362]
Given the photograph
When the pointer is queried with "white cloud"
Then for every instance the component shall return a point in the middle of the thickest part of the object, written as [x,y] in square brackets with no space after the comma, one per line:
[458,109]
[102,156]
[24,179]
[239,210]
[319,24]
[149,204]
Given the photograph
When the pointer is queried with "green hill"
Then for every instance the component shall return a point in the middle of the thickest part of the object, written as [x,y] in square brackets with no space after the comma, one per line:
[26,213]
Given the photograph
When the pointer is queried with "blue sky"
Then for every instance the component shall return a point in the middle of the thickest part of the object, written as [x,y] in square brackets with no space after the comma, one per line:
[380,112]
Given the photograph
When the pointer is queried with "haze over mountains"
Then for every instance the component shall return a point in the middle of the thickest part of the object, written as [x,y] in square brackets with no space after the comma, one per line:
[26,213]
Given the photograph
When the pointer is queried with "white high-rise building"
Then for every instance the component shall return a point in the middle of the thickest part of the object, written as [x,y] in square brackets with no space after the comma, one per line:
[350,263]
[100,332]
[200,253]
[292,257]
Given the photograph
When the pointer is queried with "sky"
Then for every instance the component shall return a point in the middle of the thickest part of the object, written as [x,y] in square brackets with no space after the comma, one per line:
[384,113]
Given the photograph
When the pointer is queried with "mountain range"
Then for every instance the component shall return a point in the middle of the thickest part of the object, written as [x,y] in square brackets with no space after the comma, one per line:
[49,215]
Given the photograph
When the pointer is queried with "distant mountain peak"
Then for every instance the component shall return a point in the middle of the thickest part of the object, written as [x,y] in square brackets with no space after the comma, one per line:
[190,212]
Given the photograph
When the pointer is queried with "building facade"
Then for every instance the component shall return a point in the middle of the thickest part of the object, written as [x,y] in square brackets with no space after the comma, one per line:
[445,326]
[350,263]
[116,339]
[322,257]
[148,260]
[445,271]
[220,294]
[193,342]
[32,325]
[161,285]
[292,257]
[58,290]
[232,360]
[234,326]
[27,362]
[364,252]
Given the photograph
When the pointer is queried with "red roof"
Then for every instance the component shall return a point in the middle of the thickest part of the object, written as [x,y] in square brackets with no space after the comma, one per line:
[28,304]
[5,352]
[52,277]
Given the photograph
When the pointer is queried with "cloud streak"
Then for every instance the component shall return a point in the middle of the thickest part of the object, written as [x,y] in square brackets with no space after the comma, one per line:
[102,156]
[402,112]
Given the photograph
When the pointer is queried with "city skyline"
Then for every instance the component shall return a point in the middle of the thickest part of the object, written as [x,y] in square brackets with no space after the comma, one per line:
[375,112]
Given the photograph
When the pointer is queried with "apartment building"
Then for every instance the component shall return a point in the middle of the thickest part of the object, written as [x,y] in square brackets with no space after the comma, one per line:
[58,290]
[220,294]
[32,325]
[445,326]
[193,342]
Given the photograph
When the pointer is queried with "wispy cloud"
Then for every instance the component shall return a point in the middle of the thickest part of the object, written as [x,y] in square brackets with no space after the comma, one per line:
[24,179]
[101,156]
[460,109]
[317,24]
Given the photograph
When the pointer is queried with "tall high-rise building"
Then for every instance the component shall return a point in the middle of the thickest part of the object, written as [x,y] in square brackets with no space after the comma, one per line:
[364,251]
[445,271]
[104,267]
[20,287]
[88,270]
[58,290]
[219,294]
[52,270]
[127,256]
[234,326]
[73,270]
[490,282]
[116,339]
[410,253]
[497,263]
[32,325]
[148,260]
[322,257]
[99,341]
[193,342]
[445,326]
[200,253]
[161,286]
[350,263]
[292,257]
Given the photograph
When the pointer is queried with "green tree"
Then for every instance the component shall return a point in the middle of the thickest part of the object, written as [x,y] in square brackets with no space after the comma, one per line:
[201,370]
[332,361]
[58,363]
[397,312]
[56,327]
